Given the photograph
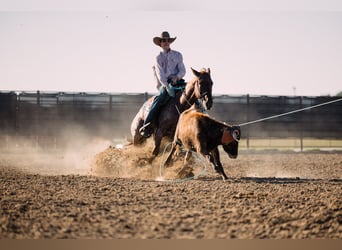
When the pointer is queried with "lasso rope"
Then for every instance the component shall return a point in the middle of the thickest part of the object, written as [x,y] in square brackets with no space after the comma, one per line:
[289,113]
[203,161]
[242,124]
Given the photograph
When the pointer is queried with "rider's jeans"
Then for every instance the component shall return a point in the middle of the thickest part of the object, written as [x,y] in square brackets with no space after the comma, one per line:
[158,102]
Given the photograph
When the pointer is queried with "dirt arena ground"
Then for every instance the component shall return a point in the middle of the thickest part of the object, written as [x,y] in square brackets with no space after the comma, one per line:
[118,193]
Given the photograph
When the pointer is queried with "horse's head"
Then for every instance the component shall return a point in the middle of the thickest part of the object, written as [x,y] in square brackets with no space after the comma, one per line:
[203,86]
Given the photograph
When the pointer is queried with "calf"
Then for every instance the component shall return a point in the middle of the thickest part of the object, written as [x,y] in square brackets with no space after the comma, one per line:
[199,132]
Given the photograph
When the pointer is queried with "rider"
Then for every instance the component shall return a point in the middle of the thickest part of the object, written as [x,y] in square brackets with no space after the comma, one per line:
[169,70]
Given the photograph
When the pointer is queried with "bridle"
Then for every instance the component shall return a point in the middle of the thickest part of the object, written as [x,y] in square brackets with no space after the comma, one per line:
[197,92]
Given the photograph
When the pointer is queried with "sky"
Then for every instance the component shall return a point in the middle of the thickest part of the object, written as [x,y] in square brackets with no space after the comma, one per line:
[267,48]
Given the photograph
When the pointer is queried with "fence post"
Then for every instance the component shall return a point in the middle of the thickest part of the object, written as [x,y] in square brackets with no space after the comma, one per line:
[301,127]
[110,103]
[247,132]
[38,97]
[17,110]
[110,107]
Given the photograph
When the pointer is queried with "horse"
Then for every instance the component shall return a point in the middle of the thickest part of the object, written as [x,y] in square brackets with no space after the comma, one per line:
[164,125]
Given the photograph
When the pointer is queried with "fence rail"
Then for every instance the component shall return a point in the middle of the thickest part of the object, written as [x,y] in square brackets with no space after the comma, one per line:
[55,117]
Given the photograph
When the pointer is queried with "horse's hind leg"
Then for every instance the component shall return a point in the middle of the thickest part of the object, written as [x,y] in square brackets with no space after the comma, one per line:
[136,136]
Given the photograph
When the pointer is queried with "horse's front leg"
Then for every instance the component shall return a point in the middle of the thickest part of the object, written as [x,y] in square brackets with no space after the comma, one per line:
[188,154]
[158,135]
[173,149]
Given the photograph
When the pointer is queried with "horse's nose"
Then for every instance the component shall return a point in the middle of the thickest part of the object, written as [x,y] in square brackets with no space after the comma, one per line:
[208,102]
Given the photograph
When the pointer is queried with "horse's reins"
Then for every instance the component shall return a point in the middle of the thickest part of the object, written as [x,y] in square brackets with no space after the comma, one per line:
[187,100]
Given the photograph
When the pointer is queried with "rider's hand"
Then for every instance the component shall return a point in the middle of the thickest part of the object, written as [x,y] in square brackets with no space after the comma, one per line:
[175,80]
[170,90]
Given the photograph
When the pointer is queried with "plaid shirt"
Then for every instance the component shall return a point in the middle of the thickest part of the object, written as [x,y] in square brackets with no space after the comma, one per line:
[168,65]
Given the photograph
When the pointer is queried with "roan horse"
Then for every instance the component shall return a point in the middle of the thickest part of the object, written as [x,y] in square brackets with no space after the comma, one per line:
[199,88]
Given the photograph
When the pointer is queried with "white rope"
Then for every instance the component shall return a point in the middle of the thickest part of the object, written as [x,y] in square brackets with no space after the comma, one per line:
[161,178]
[288,113]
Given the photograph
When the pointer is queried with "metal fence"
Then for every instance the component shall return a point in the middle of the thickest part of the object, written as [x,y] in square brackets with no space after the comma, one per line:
[45,119]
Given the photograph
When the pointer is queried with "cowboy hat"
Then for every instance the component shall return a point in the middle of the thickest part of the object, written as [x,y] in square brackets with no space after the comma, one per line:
[164,35]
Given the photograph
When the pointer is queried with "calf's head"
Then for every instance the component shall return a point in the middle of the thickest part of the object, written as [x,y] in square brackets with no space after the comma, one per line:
[230,140]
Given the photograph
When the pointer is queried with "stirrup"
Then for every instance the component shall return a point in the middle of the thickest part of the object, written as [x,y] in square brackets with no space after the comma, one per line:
[144,127]
[144,130]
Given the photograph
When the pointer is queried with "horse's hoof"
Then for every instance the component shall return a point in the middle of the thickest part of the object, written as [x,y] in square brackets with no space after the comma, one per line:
[155,152]
[224,177]
[167,163]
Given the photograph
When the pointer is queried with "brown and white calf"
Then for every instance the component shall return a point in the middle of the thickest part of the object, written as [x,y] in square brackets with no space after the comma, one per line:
[203,134]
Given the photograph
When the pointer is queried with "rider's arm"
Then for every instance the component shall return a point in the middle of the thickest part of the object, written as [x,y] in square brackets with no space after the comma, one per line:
[180,66]
[162,78]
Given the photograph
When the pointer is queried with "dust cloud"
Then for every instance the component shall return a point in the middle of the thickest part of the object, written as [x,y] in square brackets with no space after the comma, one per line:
[82,154]
[86,155]
[74,158]
[137,162]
